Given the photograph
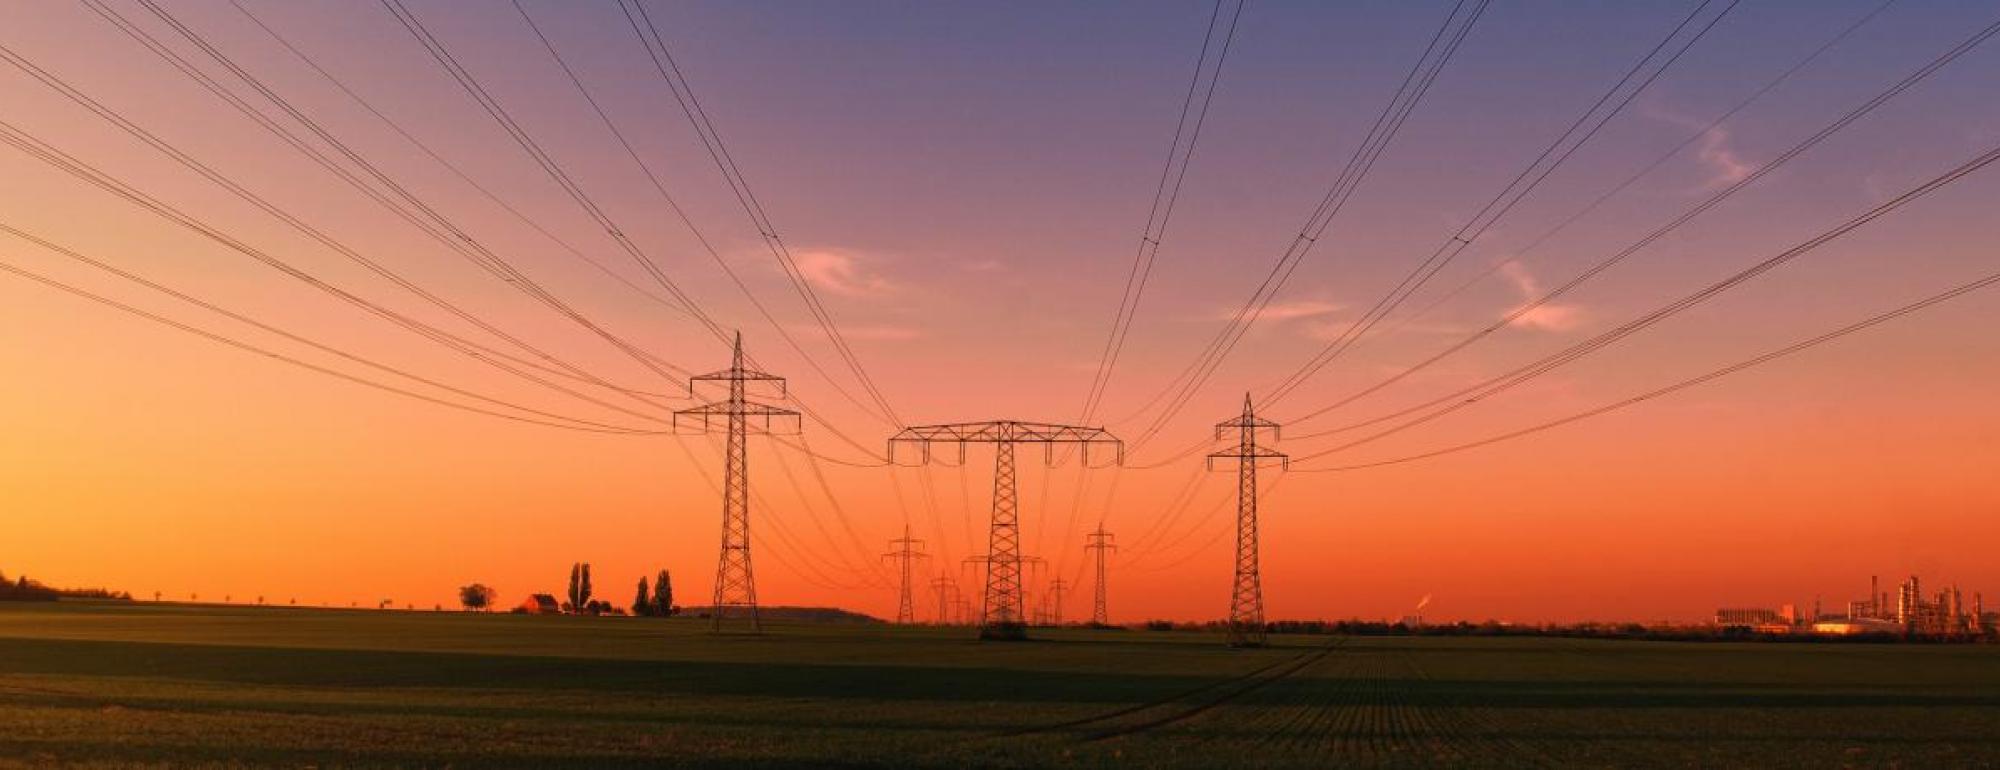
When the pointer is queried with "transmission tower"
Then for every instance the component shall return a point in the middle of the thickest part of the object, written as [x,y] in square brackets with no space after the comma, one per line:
[1100,543]
[905,554]
[1002,610]
[1057,588]
[735,585]
[947,592]
[1246,597]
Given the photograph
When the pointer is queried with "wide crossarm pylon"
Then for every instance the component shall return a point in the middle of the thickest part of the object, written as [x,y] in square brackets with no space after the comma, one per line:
[1003,612]
[1246,596]
[735,583]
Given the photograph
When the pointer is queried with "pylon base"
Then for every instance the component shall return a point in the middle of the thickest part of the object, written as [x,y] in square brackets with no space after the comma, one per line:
[1003,632]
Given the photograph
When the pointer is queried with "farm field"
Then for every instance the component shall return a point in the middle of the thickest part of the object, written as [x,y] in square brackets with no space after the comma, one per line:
[174,685]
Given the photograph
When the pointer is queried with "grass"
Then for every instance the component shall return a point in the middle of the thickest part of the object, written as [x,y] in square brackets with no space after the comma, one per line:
[118,685]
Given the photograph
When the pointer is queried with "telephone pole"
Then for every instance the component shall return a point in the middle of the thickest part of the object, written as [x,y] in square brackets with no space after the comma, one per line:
[735,584]
[1246,597]
[905,554]
[1100,542]
[1002,611]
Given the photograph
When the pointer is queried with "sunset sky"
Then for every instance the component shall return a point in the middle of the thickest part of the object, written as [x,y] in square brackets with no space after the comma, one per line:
[964,187]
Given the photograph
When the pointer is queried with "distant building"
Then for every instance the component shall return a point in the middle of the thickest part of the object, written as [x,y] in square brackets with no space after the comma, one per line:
[538,604]
[1748,618]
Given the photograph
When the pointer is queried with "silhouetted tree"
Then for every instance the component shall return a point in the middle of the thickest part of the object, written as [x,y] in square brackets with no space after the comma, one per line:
[663,595]
[642,604]
[476,597]
[579,587]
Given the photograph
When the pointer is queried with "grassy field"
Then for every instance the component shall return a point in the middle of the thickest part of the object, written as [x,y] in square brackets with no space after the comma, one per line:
[168,685]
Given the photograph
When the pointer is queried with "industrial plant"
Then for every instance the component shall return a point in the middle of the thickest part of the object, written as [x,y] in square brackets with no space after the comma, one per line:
[1944,613]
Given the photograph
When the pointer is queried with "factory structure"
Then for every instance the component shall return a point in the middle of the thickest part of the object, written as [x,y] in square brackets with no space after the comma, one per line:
[1943,613]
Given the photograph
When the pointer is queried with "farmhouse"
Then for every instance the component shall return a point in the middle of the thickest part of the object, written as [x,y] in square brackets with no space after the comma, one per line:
[539,604]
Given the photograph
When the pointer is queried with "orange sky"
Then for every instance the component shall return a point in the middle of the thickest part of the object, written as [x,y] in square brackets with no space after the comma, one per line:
[963,188]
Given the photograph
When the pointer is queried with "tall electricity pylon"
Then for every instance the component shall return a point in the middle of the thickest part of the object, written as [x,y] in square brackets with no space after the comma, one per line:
[1246,597]
[906,554]
[735,584]
[1100,542]
[1002,611]
[947,592]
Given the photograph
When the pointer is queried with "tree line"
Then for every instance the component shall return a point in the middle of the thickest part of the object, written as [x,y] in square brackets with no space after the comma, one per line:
[655,599]
[25,589]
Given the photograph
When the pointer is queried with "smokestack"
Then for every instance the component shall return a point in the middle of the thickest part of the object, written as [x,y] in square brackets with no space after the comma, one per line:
[1875,595]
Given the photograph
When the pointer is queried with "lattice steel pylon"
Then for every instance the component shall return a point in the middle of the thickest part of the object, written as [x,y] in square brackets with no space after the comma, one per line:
[1057,588]
[905,554]
[1246,597]
[947,592]
[735,583]
[1003,608]
[1100,542]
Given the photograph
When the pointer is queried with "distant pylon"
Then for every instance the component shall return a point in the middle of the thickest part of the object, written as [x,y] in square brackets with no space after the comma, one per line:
[947,592]
[1057,588]
[1100,542]
[905,554]
[1003,609]
[1246,597]
[735,584]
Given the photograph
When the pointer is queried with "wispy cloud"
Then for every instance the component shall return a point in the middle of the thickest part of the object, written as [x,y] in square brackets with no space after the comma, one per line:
[1721,163]
[1547,317]
[841,272]
[1725,166]
[1285,311]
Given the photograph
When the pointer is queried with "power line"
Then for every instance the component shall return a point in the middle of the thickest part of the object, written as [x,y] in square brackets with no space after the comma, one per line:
[472,88]
[431,222]
[1749,363]
[1523,183]
[40,150]
[453,168]
[1173,172]
[1655,165]
[683,92]
[1423,73]
[576,425]
[211,307]
[674,206]
[1665,229]
[1472,395]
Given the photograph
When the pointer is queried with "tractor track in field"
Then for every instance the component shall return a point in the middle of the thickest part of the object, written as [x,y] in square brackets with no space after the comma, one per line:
[1244,686]
[1181,706]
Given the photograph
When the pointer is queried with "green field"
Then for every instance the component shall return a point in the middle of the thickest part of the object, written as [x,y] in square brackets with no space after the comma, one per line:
[166,685]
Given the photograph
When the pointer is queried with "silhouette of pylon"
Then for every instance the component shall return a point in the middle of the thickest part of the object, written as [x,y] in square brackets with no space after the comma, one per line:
[1246,596]
[1100,543]
[735,582]
[905,554]
[1003,610]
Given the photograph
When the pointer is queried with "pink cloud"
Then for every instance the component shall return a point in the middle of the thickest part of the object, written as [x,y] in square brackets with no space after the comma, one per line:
[840,272]
[1546,317]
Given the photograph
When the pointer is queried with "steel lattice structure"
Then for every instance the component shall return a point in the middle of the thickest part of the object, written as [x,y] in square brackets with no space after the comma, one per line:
[1100,543]
[1003,612]
[905,554]
[1246,596]
[735,583]
[946,591]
